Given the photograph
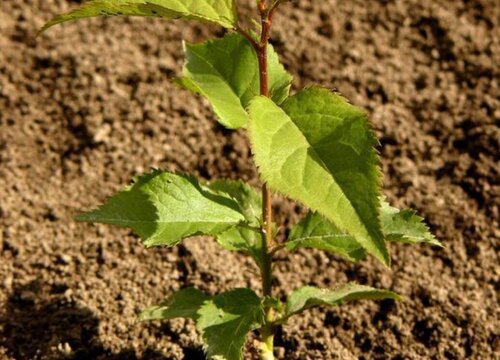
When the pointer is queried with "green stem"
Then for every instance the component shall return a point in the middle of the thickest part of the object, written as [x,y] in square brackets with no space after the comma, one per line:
[267,345]
[267,330]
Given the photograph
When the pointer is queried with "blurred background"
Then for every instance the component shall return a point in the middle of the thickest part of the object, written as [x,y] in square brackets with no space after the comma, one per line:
[88,105]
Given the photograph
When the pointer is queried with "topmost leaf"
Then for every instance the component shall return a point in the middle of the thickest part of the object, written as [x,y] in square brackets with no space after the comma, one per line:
[222,12]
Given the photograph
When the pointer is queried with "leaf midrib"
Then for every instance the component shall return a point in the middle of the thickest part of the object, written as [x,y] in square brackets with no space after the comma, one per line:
[121,221]
[318,237]
[325,167]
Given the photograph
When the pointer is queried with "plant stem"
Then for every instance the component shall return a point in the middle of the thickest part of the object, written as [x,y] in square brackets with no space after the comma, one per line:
[267,331]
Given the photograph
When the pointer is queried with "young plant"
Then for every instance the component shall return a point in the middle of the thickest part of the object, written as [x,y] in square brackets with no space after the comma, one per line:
[314,147]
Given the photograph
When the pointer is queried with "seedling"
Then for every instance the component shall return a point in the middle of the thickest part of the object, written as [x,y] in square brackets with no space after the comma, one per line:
[312,146]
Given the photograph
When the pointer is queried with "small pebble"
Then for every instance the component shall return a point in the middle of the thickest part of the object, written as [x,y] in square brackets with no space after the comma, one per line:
[64,348]
[7,283]
[64,259]
[27,297]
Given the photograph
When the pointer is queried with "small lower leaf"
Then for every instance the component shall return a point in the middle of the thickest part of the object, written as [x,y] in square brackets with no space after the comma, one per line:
[184,303]
[225,320]
[244,237]
[314,231]
[248,199]
[308,296]
[246,240]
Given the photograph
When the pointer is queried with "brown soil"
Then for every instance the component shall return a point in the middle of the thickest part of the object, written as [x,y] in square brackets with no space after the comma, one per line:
[89,105]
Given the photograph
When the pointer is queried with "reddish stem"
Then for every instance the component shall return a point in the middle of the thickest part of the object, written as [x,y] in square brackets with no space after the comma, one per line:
[267,331]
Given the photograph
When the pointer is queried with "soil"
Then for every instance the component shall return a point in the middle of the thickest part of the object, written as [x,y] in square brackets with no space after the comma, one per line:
[87,106]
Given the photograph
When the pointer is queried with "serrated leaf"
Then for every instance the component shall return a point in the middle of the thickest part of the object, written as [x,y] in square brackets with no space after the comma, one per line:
[247,198]
[185,303]
[222,12]
[319,150]
[405,226]
[163,208]
[308,296]
[245,237]
[225,71]
[315,231]
[225,320]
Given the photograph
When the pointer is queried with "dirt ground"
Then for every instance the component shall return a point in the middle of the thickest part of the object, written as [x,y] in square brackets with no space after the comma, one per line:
[87,106]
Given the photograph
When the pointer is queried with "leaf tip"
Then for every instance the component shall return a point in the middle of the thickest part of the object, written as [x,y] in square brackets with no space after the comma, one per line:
[387,260]
[383,255]
[52,22]
[143,316]
[41,31]
[83,217]
[431,239]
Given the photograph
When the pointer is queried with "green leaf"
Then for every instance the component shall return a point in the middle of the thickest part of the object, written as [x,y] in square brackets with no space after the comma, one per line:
[246,240]
[308,296]
[225,320]
[319,149]
[225,71]
[314,231]
[405,226]
[184,303]
[244,237]
[222,12]
[248,199]
[163,208]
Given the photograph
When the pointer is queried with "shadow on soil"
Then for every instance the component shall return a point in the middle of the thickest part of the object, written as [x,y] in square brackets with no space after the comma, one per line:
[31,328]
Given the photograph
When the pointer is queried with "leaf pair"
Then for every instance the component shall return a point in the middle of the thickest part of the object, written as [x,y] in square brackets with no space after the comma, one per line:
[225,320]
[314,147]
[163,208]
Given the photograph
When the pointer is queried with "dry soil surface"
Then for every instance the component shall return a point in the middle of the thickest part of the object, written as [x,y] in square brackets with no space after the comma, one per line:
[87,106]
